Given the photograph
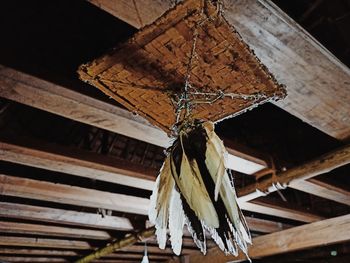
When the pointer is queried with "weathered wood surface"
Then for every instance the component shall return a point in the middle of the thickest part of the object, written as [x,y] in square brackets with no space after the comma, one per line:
[43,242]
[324,190]
[60,216]
[311,73]
[80,163]
[320,165]
[279,211]
[56,99]
[65,194]
[55,231]
[330,231]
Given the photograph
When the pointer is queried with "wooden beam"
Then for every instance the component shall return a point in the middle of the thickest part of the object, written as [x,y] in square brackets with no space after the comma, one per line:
[77,162]
[279,211]
[38,252]
[31,259]
[265,226]
[46,191]
[297,60]
[330,231]
[324,190]
[60,216]
[64,194]
[56,99]
[44,242]
[55,231]
[321,165]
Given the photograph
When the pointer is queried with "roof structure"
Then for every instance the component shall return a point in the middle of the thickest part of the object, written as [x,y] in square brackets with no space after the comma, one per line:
[77,168]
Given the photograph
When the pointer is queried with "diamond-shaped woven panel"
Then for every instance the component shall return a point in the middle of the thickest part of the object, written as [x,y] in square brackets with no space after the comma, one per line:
[144,73]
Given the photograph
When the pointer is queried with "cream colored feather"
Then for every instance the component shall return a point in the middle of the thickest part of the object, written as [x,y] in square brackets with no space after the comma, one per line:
[159,202]
[192,187]
[214,160]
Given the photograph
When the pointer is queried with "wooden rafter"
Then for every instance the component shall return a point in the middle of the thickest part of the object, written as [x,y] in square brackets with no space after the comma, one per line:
[61,216]
[65,194]
[330,231]
[56,231]
[298,54]
[320,165]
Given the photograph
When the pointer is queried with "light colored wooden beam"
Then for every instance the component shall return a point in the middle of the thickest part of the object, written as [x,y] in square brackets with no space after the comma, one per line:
[61,216]
[80,163]
[31,259]
[279,211]
[324,190]
[308,69]
[38,252]
[65,194]
[265,226]
[55,231]
[44,242]
[326,232]
[321,165]
[56,99]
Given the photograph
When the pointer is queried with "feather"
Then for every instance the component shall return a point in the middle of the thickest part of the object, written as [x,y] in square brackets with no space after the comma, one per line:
[194,188]
[189,181]
[159,202]
[176,221]
[216,150]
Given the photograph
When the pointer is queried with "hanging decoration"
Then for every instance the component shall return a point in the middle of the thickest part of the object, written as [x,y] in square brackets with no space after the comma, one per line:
[184,72]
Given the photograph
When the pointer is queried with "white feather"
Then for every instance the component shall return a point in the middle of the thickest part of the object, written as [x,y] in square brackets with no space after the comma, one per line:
[176,221]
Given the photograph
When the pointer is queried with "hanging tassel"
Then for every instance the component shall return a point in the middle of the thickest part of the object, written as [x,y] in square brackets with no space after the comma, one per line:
[195,188]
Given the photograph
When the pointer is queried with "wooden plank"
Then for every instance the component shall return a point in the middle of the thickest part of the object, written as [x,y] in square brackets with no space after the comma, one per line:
[279,211]
[308,69]
[55,231]
[322,189]
[43,242]
[77,162]
[41,252]
[320,165]
[45,191]
[31,259]
[265,226]
[329,231]
[60,216]
[56,99]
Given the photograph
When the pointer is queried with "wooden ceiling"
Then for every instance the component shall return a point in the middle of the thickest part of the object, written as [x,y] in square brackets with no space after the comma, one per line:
[76,169]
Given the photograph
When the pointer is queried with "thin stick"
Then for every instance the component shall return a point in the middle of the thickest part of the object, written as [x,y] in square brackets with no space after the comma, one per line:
[125,242]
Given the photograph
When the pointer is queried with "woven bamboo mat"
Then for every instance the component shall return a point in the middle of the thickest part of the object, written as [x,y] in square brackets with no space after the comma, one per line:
[145,73]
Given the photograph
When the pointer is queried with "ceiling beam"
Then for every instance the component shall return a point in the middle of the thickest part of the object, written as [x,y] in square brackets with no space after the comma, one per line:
[61,216]
[44,242]
[55,231]
[44,95]
[38,252]
[297,60]
[31,259]
[77,162]
[66,194]
[329,231]
[320,165]
[324,190]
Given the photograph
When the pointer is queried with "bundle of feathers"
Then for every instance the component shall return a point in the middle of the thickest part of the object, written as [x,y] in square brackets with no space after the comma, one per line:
[195,189]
